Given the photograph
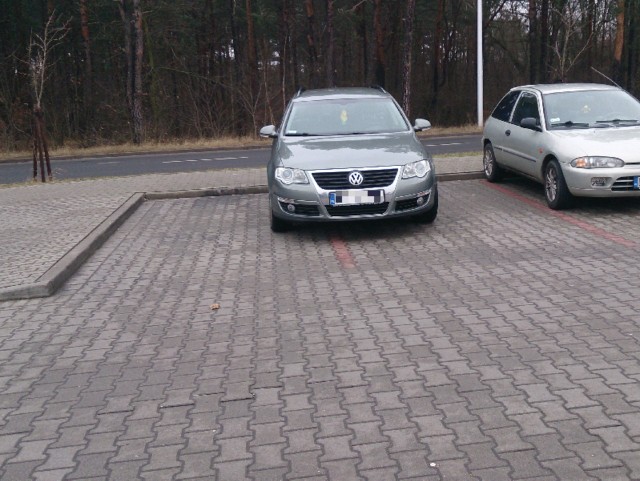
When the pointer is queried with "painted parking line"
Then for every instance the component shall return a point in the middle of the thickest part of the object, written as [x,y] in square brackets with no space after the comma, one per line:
[108,163]
[592,229]
[172,162]
[443,145]
[342,252]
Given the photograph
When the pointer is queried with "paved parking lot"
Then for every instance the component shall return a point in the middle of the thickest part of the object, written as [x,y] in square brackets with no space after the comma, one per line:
[500,343]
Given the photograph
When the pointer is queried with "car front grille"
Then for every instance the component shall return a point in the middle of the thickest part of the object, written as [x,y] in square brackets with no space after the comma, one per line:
[362,209]
[622,184]
[339,180]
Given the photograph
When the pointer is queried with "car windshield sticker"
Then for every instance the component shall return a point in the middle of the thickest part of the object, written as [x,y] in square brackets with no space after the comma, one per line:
[555,119]
[343,116]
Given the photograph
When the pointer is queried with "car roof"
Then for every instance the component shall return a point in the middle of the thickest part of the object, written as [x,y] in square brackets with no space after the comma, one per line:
[566,87]
[341,93]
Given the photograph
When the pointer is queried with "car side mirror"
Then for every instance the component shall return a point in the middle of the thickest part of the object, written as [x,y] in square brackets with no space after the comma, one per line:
[421,124]
[269,131]
[530,123]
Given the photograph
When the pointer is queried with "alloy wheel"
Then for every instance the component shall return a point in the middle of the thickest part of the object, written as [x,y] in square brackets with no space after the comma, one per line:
[551,183]
[488,162]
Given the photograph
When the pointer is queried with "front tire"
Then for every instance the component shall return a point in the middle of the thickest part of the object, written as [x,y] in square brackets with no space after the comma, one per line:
[556,191]
[492,171]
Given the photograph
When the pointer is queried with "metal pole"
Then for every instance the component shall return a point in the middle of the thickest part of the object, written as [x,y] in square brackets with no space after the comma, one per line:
[480,73]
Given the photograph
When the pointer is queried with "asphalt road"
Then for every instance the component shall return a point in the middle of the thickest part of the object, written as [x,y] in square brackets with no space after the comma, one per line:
[123,165]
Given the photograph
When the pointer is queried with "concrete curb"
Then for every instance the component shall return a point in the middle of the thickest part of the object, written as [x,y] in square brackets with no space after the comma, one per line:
[206,192]
[62,270]
[57,275]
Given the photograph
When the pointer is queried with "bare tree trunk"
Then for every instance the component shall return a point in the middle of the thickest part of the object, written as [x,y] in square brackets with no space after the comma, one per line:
[137,79]
[39,50]
[408,47]
[293,46]
[237,111]
[380,56]
[362,27]
[533,42]
[39,147]
[124,15]
[251,53]
[311,42]
[589,32]
[285,32]
[543,68]
[619,43]
[437,48]
[88,73]
[331,64]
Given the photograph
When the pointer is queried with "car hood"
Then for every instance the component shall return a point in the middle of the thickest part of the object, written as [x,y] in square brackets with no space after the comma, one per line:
[621,142]
[353,151]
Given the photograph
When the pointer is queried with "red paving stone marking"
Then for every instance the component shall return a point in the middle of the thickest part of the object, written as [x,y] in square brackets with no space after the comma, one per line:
[342,252]
[597,231]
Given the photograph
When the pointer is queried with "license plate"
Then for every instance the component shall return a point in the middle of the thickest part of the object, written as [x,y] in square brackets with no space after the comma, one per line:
[356,197]
[636,183]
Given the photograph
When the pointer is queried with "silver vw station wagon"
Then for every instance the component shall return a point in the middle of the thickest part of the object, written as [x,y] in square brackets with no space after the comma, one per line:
[348,154]
[575,139]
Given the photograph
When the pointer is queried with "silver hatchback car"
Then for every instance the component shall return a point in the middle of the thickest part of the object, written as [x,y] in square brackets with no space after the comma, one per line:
[348,154]
[576,139]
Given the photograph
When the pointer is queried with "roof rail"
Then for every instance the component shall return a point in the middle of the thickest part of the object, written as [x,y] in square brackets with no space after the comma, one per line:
[299,92]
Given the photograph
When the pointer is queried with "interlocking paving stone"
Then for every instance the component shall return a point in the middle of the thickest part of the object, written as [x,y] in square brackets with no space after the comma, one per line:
[499,343]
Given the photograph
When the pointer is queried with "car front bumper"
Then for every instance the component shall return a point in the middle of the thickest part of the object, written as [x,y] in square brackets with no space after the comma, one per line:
[311,203]
[615,182]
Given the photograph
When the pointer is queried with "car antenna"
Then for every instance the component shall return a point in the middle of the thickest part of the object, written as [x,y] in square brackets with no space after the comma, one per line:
[610,80]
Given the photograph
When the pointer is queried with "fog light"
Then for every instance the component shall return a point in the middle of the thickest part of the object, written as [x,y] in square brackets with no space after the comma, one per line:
[420,201]
[598,181]
[291,207]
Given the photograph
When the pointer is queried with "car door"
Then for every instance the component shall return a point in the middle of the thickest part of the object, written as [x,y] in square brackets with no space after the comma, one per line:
[498,127]
[521,144]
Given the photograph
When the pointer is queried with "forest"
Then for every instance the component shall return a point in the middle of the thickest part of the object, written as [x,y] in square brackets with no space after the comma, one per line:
[102,72]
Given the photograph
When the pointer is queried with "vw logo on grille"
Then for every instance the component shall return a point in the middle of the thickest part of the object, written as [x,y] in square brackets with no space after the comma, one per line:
[355,178]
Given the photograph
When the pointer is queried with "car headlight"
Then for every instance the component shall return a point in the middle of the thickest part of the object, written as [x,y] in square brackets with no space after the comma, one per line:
[596,162]
[290,176]
[416,169]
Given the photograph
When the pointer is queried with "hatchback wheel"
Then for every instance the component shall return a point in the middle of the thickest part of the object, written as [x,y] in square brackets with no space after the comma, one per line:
[492,171]
[556,191]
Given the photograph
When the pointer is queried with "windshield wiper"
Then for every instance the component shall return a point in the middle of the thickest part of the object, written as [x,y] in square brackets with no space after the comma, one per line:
[617,121]
[298,134]
[570,123]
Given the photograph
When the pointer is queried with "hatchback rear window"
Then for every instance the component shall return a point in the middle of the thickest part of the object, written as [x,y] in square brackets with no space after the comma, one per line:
[504,108]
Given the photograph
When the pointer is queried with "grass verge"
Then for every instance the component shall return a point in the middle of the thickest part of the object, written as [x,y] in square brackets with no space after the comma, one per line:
[71,150]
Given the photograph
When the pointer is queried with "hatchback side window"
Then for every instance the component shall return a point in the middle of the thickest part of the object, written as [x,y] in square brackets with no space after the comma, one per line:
[504,108]
[527,107]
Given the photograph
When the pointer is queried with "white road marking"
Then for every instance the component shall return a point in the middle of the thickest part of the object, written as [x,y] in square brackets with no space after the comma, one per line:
[107,163]
[204,160]
[441,145]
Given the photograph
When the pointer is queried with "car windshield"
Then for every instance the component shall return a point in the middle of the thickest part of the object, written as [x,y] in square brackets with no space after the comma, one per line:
[591,108]
[344,117]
